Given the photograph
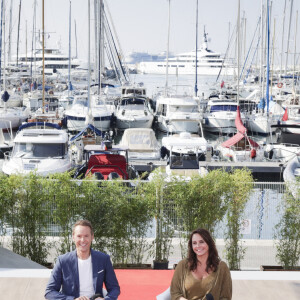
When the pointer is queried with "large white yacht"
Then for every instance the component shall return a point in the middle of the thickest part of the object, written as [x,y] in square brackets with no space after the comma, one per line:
[55,61]
[208,62]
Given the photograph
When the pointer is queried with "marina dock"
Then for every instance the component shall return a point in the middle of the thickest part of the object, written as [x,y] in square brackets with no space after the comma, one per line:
[263,171]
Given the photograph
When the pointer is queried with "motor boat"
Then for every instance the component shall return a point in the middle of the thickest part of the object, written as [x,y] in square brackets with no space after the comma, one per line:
[220,115]
[38,147]
[105,162]
[183,152]
[133,109]
[177,113]
[141,144]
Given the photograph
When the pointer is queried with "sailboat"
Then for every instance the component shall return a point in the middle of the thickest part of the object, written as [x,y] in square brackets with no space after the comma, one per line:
[86,108]
[10,118]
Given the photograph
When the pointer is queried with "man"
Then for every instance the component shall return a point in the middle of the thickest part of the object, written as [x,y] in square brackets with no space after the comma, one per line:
[81,273]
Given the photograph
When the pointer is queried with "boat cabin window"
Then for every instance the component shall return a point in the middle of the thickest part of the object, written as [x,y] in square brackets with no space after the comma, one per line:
[133,101]
[184,162]
[31,150]
[134,91]
[81,101]
[183,108]
[224,107]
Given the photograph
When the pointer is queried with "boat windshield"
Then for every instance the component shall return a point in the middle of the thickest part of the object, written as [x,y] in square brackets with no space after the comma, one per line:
[184,108]
[224,107]
[31,150]
[81,102]
[184,162]
[133,101]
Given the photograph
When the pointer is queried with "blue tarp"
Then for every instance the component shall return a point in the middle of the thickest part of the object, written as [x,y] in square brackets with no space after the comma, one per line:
[47,87]
[89,126]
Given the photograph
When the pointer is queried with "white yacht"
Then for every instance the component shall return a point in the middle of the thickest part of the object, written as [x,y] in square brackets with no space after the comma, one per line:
[55,61]
[184,151]
[40,150]
[220,116]
[208,63]
[178,113]
[82,113]
[133,109]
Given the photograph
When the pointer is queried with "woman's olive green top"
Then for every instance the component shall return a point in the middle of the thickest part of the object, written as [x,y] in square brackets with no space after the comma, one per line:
[184,284]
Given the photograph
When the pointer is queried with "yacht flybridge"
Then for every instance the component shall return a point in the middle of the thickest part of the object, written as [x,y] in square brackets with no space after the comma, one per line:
[209,63]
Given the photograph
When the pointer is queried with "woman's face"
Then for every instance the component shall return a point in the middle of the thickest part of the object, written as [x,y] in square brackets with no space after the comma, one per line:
[199,245]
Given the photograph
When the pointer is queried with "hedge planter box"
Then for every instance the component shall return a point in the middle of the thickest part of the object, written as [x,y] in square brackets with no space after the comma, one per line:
[277,268]
[132,266]
[160,265]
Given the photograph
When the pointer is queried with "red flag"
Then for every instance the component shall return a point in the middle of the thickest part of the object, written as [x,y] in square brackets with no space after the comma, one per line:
[285,115]
[222,84]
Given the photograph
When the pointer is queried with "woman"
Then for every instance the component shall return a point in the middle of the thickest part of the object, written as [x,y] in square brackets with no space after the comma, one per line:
[202,272]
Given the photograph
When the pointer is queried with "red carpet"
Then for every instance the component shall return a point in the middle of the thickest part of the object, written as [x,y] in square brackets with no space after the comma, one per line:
[143,284]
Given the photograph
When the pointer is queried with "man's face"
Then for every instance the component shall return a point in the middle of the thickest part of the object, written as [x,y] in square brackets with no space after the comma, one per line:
[83,238]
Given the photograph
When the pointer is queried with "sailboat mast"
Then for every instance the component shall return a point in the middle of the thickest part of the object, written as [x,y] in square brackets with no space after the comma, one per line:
[10,30]
[295,49]
[89,59]
[168,42]
[288,40]
[18,33]
[69,67]
[43,46]
[4,49]
[1,39]
[75,38]
[268,56]
[196,62]
[238,52]
[282,40]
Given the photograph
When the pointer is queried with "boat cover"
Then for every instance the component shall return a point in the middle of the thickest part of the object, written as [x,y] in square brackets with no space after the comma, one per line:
[106,163]
[139,139]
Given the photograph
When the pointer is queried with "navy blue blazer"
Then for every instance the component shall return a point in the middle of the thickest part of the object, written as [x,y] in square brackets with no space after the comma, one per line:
[64,281]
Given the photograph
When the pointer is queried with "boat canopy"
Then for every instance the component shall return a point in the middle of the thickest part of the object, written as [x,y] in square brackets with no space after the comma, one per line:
[236,138]
[87,128]
[39,125]
[139,139]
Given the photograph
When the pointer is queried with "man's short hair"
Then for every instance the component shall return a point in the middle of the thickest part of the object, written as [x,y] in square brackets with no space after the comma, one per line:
[83,223]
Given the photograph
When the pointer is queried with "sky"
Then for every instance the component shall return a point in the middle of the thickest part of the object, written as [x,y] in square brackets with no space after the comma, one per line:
[142,25]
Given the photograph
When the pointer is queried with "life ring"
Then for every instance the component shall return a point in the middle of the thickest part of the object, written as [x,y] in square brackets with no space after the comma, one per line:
[280,85]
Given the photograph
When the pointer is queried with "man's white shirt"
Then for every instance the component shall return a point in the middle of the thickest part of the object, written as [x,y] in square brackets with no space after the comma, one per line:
[86,277]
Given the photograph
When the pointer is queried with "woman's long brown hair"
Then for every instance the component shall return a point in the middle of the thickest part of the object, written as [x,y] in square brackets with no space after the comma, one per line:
[213,259]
